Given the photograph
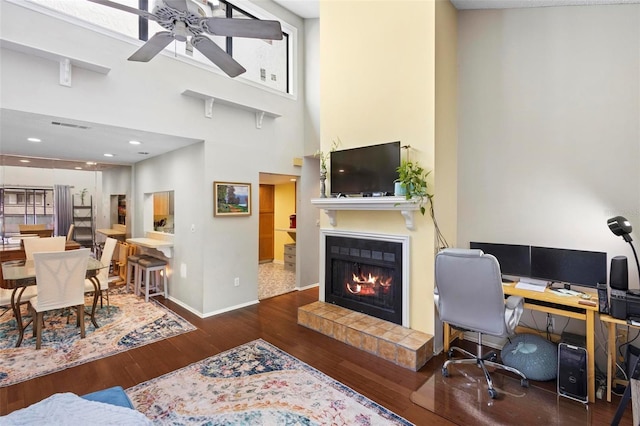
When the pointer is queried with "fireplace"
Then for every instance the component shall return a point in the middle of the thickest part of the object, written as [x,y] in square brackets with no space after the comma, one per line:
[365,274]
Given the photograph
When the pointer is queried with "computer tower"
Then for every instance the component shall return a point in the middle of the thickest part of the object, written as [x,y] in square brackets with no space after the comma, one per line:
[572,372]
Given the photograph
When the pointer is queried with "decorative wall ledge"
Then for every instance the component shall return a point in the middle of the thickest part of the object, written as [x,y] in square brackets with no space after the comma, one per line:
[66,63]
[401,204]
[210,99]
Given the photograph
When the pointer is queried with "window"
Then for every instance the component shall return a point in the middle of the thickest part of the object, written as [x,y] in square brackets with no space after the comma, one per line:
[24,206]
[268,62]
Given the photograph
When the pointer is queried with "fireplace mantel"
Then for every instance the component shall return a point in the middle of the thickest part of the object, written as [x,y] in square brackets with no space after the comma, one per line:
[401,204]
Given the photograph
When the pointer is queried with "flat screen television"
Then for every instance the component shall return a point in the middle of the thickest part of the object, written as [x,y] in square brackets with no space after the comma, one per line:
[579,267]
[368,170]
[514,259]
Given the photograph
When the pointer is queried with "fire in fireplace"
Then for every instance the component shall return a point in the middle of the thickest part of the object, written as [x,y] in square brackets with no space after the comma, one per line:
[365,275]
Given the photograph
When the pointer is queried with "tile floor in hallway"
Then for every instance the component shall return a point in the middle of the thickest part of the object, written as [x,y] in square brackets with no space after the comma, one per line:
[274,280]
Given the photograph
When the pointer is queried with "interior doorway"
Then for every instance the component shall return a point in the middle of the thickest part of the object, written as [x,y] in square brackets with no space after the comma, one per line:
[276,236]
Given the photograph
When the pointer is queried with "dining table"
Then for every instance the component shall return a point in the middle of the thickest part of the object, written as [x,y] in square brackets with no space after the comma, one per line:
[19,274]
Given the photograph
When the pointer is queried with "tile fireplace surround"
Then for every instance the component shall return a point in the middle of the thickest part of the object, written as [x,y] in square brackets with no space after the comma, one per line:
[405,347]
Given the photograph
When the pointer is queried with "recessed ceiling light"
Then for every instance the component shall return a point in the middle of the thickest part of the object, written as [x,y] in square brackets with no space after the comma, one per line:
[34,140]
[25,161]
[78,168]
[135,142]
[109,155]
[91,163]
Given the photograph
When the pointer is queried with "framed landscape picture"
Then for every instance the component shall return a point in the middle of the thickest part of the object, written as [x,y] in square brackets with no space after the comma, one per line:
[231,199]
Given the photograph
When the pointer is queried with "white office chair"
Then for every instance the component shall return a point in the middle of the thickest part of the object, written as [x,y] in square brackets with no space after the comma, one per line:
[103,274]
[60,281]
[33,245]
[469,296]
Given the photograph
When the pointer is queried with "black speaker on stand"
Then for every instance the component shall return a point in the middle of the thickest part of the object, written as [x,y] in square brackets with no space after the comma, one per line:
[619,283]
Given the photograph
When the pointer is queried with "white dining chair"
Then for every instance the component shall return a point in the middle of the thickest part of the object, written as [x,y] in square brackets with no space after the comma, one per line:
[33,245]
[5,297]
[70,232]
[60,282]
[103,274]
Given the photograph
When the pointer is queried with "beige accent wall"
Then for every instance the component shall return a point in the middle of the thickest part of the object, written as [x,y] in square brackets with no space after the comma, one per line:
[377,83]
[285,205]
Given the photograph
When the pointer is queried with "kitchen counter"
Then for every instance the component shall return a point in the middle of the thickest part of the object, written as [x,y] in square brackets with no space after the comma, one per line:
[113,233]
[166,247]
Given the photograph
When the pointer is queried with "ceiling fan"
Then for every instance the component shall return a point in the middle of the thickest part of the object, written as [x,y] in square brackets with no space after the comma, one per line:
[185,19]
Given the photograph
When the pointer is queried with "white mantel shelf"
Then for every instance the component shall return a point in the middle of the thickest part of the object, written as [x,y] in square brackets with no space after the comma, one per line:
[332,205]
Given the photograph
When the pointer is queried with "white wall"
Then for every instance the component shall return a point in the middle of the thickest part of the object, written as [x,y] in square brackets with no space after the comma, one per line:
[549,133]
[181,171]
[115,181]
[549,107]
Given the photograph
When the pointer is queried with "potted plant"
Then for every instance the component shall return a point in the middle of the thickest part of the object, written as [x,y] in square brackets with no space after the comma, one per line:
[324,156]
[413,183]
[83,194]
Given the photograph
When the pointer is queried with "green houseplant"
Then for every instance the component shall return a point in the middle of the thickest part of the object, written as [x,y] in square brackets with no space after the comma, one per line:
[413,180]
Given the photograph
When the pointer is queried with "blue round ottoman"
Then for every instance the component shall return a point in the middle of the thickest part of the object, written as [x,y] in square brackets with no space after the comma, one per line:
[534,356]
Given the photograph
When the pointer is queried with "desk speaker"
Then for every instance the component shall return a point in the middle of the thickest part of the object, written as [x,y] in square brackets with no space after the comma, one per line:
[572,372]
[619,273]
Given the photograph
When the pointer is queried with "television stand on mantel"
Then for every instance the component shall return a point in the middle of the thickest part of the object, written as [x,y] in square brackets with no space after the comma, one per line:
[401,204]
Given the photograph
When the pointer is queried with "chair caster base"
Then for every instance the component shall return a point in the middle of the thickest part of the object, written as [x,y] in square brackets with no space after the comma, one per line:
[493,394]
[524,383]
[445,372]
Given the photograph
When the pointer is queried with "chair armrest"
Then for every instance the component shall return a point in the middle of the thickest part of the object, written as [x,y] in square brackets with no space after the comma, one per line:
[513,302]
[514,307]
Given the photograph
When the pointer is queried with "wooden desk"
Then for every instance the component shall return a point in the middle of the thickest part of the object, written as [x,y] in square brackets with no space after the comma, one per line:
[612,324]
[566,306]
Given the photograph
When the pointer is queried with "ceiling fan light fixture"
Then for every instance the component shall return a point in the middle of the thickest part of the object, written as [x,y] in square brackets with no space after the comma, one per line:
[180,31]
[186,18]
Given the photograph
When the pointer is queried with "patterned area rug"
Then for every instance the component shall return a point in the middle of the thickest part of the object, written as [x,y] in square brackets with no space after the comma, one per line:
[255,384]
[131,323]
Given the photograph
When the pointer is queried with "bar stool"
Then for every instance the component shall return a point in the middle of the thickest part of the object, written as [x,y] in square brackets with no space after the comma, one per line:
[147,265]
[132,273]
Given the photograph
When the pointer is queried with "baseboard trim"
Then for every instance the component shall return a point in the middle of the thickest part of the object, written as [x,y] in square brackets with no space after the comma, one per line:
[308,287]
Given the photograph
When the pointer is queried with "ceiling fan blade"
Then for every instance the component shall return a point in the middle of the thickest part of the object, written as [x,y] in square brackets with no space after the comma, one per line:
[152,47]
[218,56]
[250,28]
[125,8]
[180,5]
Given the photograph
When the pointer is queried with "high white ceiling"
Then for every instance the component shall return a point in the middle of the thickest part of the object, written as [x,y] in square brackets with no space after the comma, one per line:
[311,9]
[508,4]
[302,8]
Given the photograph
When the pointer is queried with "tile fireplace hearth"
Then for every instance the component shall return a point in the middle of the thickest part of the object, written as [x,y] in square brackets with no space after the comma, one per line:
[405,347]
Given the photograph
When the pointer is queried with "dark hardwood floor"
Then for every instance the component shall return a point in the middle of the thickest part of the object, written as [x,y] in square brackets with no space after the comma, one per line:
[459,399]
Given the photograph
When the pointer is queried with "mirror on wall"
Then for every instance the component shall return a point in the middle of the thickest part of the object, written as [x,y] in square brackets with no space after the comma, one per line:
[163,212]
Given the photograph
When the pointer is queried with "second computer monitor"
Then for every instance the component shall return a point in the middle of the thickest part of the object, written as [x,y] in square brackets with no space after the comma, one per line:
[580,267]
[514,259]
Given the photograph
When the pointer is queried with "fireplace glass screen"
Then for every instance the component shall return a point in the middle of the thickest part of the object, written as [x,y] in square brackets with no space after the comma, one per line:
[365,275]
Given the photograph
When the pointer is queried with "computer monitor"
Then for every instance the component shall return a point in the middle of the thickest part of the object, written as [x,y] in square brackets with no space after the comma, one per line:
[579,267]
[514,259]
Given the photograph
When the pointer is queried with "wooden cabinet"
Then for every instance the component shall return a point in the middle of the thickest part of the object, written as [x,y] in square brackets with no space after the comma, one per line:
[161,204]
[290,257]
